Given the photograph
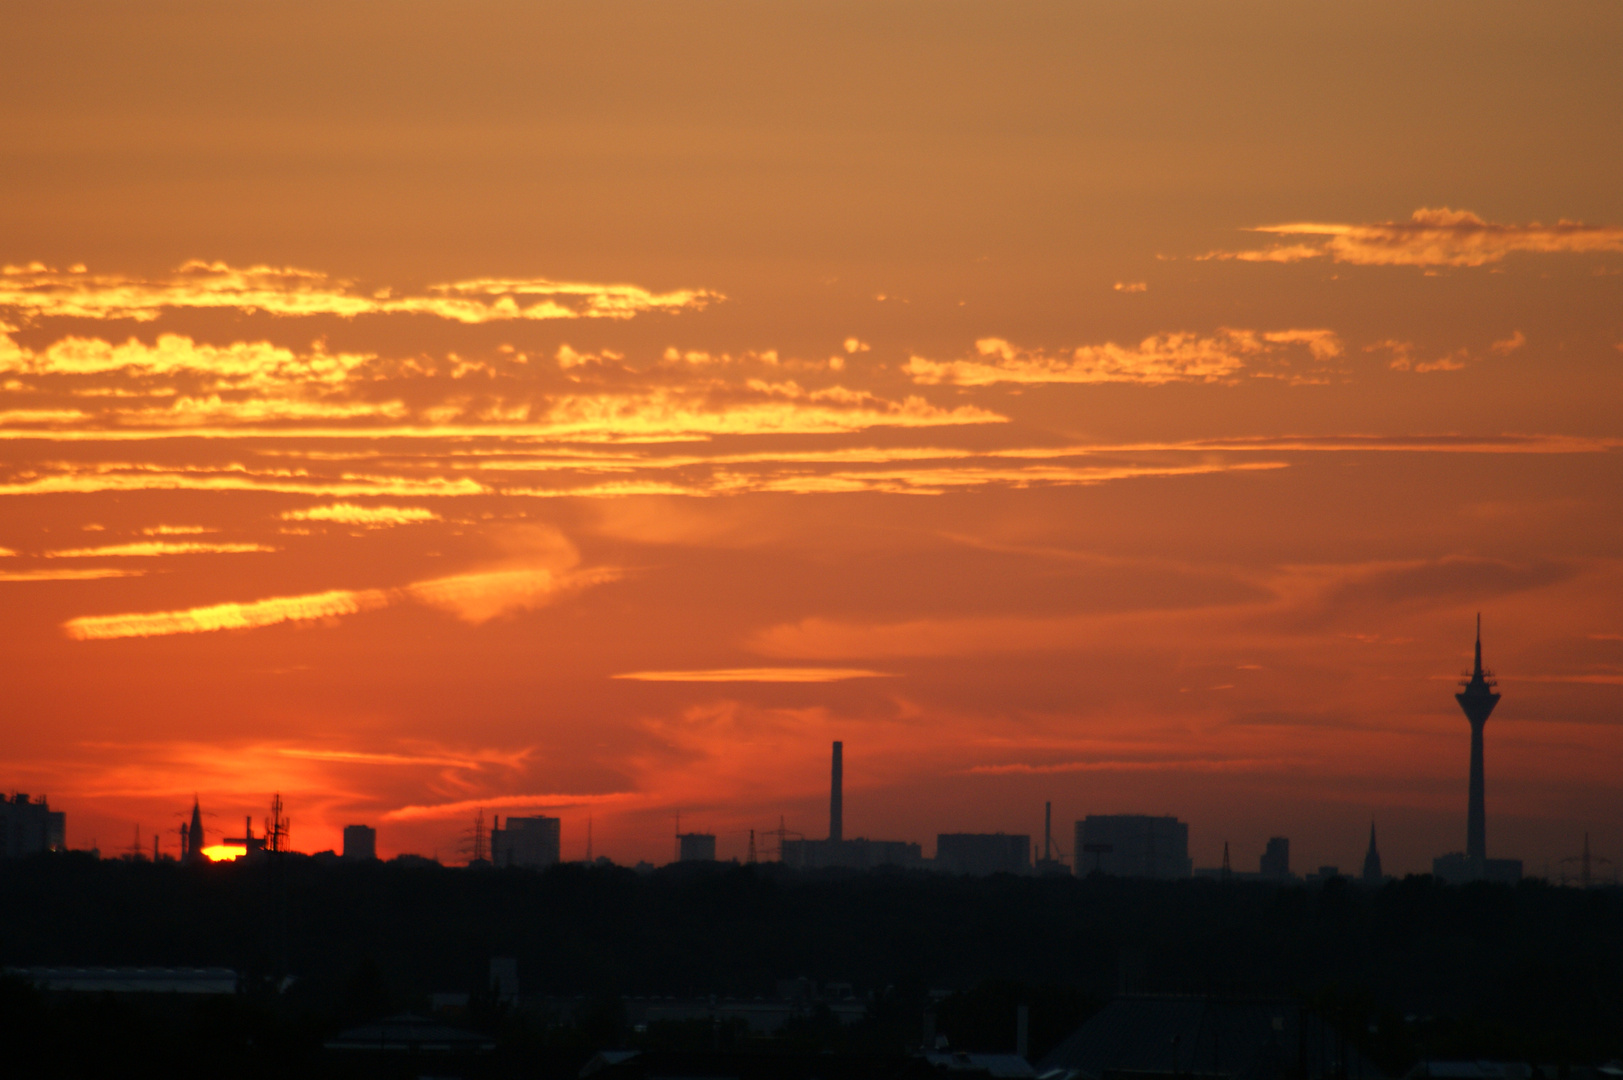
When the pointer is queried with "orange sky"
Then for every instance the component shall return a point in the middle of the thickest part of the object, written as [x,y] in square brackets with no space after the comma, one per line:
[595,409]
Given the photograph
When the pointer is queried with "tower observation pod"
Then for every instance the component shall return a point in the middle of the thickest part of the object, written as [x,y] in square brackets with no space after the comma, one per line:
[1477,697]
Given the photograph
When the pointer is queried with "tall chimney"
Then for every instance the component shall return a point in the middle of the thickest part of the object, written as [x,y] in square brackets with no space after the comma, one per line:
[836,796]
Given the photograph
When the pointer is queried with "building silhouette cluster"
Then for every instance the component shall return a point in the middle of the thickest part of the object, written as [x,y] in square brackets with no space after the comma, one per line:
[1123,845]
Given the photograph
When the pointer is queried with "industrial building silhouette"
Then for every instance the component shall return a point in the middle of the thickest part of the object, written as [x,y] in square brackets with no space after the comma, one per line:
[859,853]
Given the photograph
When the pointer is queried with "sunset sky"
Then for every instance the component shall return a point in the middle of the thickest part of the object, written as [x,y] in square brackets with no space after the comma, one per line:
[596,409]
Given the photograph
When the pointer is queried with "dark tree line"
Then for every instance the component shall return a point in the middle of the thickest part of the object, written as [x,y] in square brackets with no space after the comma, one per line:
[1416,967]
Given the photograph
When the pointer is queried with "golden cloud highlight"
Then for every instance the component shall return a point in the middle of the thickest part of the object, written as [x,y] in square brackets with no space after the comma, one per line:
[756,675]
[67,575]
[371,517]
[36,290]
[128,476]
[1431,237]
[1163,358]
[464,807]
[540,570]
[260,389]
[230,616]
[154,548]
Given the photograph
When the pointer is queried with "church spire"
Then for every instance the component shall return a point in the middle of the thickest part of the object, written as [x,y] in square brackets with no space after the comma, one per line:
[194,836]
[1372,860]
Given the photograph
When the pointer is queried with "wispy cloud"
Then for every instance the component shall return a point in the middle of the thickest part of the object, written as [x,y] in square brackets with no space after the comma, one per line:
[1212,765]
[1431,237]
[371,517]
[760,675]
[503,803]
[531,578]
[1405,355]
[180,388]
[228,616]
[55,574]
[1593,679]
[137,476]
[154,548]
[37,290]
[1176,357]
[239,364]
[512,758]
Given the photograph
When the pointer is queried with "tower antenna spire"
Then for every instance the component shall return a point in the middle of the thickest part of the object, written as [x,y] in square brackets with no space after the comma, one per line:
[1477,697]
[1478,669]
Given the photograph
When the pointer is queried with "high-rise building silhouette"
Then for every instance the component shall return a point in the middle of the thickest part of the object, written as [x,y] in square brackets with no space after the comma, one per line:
[535,842]
[360,842]
[1276,858]
[696,847]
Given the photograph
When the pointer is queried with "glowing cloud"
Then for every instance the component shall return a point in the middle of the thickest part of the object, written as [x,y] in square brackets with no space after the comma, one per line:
[1177,357]
[277,609]
[37,290]
[241,364]
[464,807]
[540,569]
[1431,237]
[128,476]
[760,675]
[371,517]
[67,575]
[480,597]
[153,548]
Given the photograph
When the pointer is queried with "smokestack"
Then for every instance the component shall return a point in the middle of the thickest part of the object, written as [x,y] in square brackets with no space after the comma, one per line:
[836,796]
[1048,831]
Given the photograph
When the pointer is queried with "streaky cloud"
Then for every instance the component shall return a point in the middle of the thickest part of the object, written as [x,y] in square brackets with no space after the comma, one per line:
[1432,237]
[1218,765]
[155,548]
[371,517]
[228,616]
[36,290]
[501,803]
[55,574]
[1165,358]
[758,675]
[531,580]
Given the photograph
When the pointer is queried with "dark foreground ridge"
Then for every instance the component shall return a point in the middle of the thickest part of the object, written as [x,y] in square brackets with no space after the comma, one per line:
[859,964]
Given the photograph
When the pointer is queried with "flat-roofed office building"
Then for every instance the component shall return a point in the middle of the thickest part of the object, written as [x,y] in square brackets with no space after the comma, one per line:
[1133,845]
[982,854]
[360,842]
[526,841]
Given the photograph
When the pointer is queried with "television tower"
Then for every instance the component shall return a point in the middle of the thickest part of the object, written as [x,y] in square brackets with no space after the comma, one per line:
[1477,697]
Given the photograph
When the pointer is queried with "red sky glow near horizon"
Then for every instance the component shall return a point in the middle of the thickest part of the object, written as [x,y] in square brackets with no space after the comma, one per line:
[598,409]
